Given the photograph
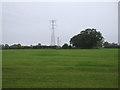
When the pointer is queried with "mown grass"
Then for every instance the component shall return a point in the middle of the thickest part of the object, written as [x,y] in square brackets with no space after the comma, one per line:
[79,68]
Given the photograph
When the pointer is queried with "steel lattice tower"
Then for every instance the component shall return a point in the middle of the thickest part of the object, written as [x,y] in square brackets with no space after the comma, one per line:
[52,24]
[58,41]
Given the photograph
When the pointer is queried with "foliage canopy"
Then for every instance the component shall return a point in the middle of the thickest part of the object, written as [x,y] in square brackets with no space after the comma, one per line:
[89,38]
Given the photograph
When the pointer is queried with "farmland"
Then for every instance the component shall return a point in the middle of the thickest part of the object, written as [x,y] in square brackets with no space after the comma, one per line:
[60,68]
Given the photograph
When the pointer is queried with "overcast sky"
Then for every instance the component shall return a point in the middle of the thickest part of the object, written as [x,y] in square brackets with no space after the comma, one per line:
[28,23]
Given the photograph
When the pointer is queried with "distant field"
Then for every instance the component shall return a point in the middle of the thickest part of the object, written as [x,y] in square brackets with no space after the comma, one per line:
[81,68]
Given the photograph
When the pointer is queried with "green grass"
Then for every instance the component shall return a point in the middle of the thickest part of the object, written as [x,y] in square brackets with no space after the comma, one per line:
[81,68]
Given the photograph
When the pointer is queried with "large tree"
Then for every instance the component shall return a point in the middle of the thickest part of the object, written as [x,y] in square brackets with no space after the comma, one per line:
[89,38]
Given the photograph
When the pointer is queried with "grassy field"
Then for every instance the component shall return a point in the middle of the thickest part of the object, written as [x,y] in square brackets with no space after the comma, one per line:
[82,68]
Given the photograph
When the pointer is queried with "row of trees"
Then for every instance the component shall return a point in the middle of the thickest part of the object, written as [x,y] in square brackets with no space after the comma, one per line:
[65,46]
[19,46]
[86,39]
[104,45]
[110,45]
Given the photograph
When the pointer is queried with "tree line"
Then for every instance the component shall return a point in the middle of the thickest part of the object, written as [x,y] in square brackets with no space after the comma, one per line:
[86,39]
[65,46]
[19,46]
